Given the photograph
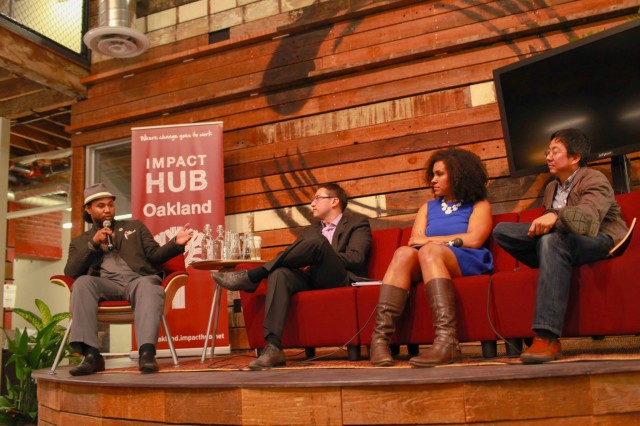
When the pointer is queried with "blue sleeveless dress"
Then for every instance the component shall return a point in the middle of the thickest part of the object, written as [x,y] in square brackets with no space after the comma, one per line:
[472,261]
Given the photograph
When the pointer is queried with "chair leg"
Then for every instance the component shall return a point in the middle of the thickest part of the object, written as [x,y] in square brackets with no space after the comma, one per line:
[354,352]
[174,355]
[513,347]
[413,349]
[395,349]
[61,349]
[489,348]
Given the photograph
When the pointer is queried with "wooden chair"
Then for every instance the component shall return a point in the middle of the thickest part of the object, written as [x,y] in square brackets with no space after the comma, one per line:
[120,311]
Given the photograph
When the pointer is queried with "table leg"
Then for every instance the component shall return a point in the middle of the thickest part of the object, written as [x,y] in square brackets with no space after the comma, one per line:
[213,312]
[217,299]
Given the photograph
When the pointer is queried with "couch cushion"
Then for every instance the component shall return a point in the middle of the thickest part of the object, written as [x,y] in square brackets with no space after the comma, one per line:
[383,245]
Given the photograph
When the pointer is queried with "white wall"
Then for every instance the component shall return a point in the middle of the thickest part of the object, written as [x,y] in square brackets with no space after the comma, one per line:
[31,278]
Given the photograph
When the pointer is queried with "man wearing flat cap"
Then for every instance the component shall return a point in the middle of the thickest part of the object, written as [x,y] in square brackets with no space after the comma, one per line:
[116,260]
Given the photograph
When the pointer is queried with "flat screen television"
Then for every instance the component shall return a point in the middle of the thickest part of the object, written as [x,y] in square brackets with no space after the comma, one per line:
[592,84]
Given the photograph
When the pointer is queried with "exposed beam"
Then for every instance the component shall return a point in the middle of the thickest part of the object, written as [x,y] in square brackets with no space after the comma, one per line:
[50,128]
[25,144]
[38,136]
[35,62]
[5,75]
[14,87]
[26,105]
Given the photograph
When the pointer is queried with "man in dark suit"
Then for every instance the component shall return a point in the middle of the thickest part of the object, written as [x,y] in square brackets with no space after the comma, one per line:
[120,261]
[328,254]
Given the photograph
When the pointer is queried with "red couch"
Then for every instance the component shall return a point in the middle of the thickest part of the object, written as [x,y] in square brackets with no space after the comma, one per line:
[489,307]
[334,317]
[321,317]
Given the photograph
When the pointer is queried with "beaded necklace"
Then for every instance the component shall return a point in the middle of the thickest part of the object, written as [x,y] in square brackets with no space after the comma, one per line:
[447,209]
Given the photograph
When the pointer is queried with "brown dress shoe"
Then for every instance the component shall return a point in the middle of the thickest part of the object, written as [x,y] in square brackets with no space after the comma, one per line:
[542,350]
[147,363]
[271,356]
[89,365]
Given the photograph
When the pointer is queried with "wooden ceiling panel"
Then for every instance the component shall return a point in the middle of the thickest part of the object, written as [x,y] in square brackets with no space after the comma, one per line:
[37,89]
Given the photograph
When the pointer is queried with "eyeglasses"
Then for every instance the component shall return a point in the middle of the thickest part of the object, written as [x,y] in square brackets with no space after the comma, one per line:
[319,197]
[553,153]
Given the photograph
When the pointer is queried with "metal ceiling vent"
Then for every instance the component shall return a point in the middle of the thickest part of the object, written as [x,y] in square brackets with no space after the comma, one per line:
[115,37]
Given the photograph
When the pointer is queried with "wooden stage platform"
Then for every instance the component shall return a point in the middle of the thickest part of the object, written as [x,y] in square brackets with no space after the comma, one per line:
[573,393]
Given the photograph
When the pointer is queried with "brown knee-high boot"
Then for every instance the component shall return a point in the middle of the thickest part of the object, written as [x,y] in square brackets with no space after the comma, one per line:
[445,348]
[390,306]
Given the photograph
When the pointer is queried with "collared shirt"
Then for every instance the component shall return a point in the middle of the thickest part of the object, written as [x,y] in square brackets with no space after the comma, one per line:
[562,191]
[329,228]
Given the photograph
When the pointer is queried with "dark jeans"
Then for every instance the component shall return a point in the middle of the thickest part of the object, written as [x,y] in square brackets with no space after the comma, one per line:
[554,254]
[286,279]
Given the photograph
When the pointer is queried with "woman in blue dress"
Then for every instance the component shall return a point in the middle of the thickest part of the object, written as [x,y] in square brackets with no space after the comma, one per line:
[447,241]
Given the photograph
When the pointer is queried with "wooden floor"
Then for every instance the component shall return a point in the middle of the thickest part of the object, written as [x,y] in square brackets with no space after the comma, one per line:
[577,393]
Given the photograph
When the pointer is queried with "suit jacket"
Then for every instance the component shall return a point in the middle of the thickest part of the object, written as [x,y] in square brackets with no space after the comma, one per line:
[133,242]
[351,242]
[592,193]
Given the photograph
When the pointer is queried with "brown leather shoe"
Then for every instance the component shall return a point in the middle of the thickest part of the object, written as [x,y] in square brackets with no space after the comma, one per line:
[542,350]
[89,365]
[147,363]
[271,356]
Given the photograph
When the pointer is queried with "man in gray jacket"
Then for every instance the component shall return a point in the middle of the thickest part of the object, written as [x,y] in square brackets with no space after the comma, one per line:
[116,260]
[580,224]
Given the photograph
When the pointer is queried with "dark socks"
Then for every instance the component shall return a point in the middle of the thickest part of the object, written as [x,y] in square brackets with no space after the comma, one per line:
[546,334]
[147,347]
[77,347]
[84,349]
[257,274]
[274,340]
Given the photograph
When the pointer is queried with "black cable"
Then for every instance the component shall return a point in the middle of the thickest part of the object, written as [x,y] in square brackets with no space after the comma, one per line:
[341,347]
[506,342]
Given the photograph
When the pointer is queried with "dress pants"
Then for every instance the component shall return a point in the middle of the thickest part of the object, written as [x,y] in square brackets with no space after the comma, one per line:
[145,294]
[554,254]
[286,279]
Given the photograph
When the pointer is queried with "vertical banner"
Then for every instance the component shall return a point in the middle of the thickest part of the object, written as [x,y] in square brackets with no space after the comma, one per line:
[177,177]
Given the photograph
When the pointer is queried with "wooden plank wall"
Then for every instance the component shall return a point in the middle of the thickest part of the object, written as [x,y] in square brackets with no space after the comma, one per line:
[359,92]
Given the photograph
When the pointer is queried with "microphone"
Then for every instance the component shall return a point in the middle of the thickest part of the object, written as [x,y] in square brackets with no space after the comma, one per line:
[456,242]
[107,224]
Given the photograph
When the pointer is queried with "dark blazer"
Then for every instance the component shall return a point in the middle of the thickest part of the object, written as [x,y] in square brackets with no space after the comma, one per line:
[133,242]
[351,241]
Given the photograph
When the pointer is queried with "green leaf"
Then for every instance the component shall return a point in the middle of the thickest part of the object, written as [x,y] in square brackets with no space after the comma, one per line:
[20,404]
[30,317]
[60,317]
[45,312]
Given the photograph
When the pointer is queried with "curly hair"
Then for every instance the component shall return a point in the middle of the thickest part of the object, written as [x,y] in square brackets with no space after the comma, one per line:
[467,174]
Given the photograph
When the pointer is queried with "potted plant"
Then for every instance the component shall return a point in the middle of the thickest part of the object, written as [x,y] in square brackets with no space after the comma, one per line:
[29,353]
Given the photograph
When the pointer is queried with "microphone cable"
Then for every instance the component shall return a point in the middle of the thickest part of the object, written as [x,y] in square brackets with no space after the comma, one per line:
[341,347]
[493,328]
